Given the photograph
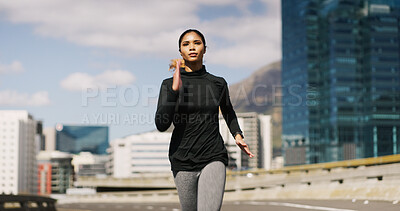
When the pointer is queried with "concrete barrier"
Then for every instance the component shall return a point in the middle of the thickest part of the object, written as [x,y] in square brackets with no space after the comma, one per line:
[381,182]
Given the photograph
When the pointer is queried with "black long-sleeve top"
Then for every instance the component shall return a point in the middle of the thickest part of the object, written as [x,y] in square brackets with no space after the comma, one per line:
[194,111]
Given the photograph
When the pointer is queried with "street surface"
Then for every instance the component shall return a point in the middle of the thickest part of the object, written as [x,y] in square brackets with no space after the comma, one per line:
[279,205]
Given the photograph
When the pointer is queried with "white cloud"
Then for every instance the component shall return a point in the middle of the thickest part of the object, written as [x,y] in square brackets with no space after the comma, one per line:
[14,98]
[80,81]
[250,42]
[152,27]
[14,67]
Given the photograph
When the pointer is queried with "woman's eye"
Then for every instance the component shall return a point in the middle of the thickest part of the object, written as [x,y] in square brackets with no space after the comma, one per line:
[185,44]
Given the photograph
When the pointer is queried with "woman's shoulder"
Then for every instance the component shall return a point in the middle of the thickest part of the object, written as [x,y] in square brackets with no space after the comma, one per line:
[217,79]
[167,80]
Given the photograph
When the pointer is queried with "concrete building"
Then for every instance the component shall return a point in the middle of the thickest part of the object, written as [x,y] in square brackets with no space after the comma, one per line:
[258,135]
[49,138]
[18,148]
[88,164]
[140,153]
[265,142]
[55,173]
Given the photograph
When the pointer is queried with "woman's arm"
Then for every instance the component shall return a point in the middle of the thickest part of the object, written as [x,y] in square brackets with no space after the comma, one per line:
[227,111]
[231,120]
[166,106]
[168,98]
[243,146]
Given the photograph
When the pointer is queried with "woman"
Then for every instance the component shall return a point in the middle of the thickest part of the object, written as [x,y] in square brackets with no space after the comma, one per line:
[191,100]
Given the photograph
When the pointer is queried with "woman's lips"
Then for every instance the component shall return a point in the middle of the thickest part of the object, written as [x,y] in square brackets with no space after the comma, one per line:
[193,54]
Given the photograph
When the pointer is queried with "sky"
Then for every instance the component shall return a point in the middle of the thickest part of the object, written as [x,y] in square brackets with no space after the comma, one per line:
[101,62]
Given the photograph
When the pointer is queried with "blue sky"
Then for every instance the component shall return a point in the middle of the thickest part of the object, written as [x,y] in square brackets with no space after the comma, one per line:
[101,62]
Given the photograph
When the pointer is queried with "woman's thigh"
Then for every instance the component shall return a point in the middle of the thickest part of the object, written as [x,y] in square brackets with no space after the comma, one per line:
[186,185]
[211,187]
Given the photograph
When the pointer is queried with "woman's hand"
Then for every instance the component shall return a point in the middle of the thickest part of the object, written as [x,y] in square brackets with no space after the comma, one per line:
[243,146]
[177,81]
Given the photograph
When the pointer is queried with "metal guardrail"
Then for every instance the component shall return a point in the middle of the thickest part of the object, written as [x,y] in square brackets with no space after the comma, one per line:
[324,166]
[26,203]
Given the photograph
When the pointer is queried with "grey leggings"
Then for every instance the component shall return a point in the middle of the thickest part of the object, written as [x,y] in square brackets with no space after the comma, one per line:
[201,190]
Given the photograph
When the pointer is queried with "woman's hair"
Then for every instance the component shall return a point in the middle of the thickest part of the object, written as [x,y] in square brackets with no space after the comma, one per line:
[191,30]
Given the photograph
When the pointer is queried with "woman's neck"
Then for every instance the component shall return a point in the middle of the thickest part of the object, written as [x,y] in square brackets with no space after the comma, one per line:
[193,66]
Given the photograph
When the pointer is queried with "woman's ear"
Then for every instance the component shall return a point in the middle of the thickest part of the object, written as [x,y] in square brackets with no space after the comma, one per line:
[205,48]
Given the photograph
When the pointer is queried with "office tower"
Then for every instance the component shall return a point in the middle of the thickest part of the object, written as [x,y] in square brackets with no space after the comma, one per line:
[340,78]
[18,148]
[139,153]
[77,138]
[257,135]
[55,172]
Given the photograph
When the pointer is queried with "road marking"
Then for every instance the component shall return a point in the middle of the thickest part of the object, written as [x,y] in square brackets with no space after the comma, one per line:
[62,209]
[298,206]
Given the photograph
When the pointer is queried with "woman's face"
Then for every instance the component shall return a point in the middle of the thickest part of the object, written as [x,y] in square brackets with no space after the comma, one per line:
[192,47]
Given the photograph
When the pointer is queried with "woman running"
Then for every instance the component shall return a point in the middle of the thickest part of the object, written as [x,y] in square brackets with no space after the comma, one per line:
[191,100]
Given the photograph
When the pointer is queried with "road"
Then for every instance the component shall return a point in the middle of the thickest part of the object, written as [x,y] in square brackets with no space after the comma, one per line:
[279,205]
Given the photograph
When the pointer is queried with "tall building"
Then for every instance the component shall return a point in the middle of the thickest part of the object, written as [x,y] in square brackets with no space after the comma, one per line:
[341,79]
[258,136]
[77,138]
[139,153]
[19,144]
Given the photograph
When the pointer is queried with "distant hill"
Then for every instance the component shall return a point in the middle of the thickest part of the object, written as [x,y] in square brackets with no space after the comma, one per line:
[261,93]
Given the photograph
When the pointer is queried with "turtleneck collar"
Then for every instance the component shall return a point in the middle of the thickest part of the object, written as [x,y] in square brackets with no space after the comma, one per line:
[200,72]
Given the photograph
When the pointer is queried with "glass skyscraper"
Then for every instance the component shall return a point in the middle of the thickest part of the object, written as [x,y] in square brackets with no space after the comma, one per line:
[340,78]
[75,139]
